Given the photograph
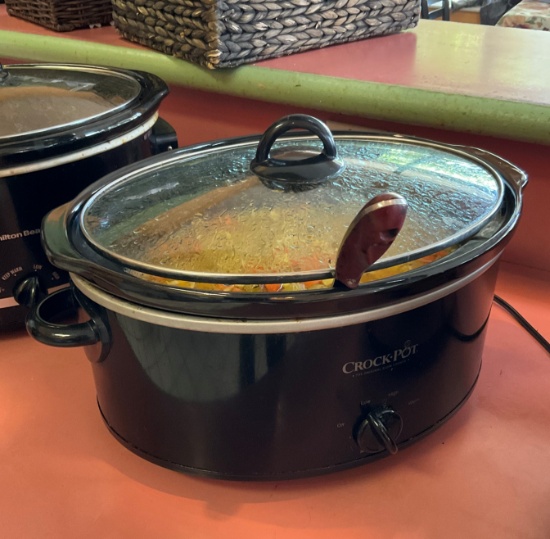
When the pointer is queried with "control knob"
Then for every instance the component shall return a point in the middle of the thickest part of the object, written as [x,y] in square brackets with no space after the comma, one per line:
[378,431]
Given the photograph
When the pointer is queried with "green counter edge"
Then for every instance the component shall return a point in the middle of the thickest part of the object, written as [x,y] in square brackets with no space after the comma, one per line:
[513,120]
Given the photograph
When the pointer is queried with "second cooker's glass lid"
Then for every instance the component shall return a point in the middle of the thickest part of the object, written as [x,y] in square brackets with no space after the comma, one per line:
[205,214]
[39,98]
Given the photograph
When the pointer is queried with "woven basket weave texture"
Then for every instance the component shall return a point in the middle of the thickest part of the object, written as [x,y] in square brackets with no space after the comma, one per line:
[227,33]
[62,15]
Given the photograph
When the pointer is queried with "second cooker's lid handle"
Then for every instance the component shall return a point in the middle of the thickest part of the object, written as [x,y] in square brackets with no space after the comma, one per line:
[296,169]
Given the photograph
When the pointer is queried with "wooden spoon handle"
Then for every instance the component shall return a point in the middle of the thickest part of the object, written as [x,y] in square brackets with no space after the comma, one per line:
[369,236]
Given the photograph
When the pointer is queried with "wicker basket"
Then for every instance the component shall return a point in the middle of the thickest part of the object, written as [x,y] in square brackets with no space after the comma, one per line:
[62,15]
[227,33]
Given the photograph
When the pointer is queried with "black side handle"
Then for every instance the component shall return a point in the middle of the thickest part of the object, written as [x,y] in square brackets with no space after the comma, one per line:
[163,137]
[42,324]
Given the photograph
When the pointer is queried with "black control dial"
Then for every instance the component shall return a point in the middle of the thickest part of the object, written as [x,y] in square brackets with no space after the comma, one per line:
[28,291]
[378,431]
[14,278]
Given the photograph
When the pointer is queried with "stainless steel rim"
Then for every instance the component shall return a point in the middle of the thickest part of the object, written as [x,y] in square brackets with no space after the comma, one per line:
[240,326]
[81,154]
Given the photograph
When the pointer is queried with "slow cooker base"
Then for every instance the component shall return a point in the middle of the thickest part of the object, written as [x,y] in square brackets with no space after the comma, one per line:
[291,474]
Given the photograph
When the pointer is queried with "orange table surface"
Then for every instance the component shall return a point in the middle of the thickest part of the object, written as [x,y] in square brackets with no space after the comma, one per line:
[484,474]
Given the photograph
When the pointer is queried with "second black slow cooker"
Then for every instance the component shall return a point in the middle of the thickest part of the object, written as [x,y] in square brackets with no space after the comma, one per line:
[63,127]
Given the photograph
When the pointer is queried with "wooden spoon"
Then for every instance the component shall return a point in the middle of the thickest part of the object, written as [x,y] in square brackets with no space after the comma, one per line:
[368,237]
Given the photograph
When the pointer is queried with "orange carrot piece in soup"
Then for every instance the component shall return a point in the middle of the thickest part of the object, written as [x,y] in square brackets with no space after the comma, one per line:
[275,287]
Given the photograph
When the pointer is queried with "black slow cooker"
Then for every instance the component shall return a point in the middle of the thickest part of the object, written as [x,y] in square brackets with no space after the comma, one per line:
[63,127]
[230,331]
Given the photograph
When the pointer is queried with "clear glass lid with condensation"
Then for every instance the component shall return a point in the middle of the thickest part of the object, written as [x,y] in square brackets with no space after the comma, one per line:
[202,214]
[38,98]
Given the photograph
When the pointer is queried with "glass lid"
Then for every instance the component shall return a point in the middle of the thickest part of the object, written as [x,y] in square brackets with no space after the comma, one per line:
[239,212]
[35,99]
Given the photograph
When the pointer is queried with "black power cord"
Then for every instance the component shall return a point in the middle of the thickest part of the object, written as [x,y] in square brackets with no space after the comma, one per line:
[523,322]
